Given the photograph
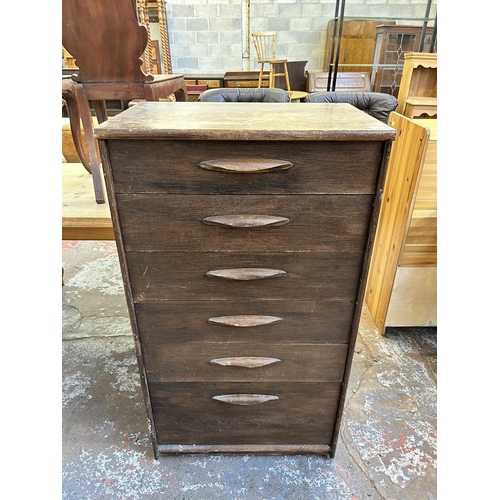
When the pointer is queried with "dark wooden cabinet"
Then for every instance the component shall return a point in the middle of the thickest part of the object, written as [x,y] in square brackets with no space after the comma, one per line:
[244,234]
[392,43]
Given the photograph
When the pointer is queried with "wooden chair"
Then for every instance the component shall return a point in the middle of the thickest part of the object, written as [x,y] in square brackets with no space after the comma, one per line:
[265,46]
[107,42]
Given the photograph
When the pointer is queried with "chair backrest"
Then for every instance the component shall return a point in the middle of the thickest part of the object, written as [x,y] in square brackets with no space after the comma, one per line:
[265,45]
[244,95]
[376,104]
[106,40]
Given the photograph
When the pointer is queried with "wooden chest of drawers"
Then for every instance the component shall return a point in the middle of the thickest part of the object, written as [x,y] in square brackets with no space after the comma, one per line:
[243,231]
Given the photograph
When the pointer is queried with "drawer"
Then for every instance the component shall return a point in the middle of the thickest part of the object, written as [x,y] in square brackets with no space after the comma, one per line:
[278,276]
[242,322]
[223,362]
[255,223]
[186,413]
[317,167]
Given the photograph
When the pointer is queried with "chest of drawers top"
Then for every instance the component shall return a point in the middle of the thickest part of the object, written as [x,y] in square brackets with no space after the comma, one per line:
[244,121]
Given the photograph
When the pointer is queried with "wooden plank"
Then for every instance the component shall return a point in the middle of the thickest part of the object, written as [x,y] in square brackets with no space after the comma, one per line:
[403,175]
[414,297]
[298,362]
[324,223]
[82,217]
[310,321]
[185,413]
[182,276]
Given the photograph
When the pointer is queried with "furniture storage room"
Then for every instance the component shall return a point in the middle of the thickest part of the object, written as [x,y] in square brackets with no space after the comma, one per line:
[249,249]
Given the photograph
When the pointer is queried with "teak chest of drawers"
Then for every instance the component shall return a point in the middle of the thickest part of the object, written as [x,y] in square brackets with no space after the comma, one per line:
[244,232]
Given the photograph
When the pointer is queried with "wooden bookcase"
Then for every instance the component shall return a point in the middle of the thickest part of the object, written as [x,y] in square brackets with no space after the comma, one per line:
[418,90]
[402,281]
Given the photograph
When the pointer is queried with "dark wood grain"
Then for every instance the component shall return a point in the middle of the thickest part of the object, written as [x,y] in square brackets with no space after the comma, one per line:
[303,321]
[254,449]
[298,362]
[245,121]
[147,166]
[319,223]
[176,221]
[304,413]
[181,276]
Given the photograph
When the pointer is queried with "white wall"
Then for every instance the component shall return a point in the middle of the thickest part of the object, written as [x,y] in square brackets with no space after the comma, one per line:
[210,36]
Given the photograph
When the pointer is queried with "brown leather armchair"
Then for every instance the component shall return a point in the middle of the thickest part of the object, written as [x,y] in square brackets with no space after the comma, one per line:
[376,104]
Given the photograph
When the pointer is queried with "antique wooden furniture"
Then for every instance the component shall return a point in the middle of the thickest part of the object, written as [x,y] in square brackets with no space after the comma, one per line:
[265,46]
[346,82]
[211,81]
[401,287]
[107,41]
[151,56]
[244,243]
[418,89]
[357,44]
[247,79]
[392,42]
[82,217]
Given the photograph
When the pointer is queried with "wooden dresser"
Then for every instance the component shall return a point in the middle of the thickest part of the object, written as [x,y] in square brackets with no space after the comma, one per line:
[244,232]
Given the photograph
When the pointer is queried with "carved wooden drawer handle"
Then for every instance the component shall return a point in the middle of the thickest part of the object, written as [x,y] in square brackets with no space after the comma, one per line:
[243,321]
[246,166]
[245,362]
[245,220]
[246,274]
[244,399]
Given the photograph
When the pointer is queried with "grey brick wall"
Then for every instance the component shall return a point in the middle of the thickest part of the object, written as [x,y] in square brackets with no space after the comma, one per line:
[209,36]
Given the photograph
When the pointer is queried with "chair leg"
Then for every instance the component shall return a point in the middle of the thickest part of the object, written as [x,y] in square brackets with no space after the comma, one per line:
[101,112]
[88,128]
[286,77]
[74,123]
[260,75]
[271,75]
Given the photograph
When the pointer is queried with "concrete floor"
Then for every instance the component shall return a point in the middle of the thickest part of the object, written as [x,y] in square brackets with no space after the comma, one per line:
[387,446]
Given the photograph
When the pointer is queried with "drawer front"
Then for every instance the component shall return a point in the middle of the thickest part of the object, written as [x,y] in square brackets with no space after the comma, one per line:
[222,362]
[305,321]
[218,276]
[186,413]
[255,223]
[317,167]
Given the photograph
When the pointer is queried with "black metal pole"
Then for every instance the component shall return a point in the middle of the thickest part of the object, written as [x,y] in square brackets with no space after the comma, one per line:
[334,38]
[341,22]
[424,27]
[434,35]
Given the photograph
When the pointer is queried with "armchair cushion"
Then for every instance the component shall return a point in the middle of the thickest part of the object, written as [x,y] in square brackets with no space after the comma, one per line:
[376,104]
[244,95]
